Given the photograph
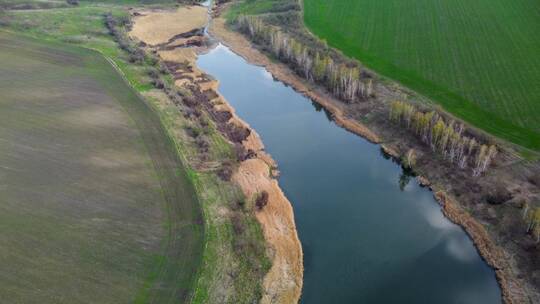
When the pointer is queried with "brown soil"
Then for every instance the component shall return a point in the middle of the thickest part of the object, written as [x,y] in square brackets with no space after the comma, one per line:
[283,283]
[511,262]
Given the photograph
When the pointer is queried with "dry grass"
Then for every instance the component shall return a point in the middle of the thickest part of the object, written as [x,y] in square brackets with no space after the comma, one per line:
[156,27]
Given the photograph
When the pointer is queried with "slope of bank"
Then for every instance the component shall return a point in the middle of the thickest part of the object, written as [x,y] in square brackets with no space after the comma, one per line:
[513,263]
[283,282]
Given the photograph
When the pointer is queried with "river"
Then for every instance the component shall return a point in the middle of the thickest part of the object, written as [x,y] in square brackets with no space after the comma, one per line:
[369,232]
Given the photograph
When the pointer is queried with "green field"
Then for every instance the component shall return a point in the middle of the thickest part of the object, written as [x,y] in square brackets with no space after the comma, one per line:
[478,59]
[95,205]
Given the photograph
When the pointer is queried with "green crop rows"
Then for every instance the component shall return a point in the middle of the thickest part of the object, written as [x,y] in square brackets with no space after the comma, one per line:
[478,59]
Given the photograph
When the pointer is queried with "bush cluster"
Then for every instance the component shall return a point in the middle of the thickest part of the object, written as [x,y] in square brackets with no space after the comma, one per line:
[448,139]
[347,83]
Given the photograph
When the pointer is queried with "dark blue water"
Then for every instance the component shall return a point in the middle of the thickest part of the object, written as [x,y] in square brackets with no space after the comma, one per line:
[370,234]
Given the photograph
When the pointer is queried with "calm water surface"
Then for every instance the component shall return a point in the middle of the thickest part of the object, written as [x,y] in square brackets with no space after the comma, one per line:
[369,234]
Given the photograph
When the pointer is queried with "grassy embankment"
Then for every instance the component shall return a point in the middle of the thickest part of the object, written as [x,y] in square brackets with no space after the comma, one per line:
[478,59]
[228,274]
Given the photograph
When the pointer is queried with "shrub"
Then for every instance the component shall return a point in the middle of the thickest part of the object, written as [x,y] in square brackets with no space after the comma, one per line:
[225,172]
[534,179]
[237,133]
[158,83]
[237,224]
[262,200]
[152,60]
[498,195]
[240,152]
[190,100]
[193,132]
[202,144]
[163,68]
[153,73]
[409,160]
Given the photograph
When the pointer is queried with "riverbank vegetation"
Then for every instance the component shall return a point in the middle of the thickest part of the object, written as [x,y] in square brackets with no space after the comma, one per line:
[351,84]
[448,139]
[342,80]
[233,257]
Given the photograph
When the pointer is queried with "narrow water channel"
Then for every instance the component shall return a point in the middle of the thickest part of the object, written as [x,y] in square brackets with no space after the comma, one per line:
[370,234]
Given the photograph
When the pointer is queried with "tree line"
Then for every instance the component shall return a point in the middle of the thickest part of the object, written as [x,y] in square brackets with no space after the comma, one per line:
[445,138]
[345,82]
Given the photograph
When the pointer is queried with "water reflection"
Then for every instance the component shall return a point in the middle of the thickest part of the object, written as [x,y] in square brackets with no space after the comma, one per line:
[320,108]
[404,180]
[370,233]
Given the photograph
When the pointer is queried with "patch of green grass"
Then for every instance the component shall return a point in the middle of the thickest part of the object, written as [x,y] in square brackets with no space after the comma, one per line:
[250,7]
[32,4]
[255,7]
[478,59]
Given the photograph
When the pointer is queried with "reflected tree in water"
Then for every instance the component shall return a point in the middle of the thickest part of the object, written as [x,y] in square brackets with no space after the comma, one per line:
[404,180]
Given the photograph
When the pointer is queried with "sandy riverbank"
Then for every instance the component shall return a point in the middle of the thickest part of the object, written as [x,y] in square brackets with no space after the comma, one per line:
[163,29]
[495,256]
